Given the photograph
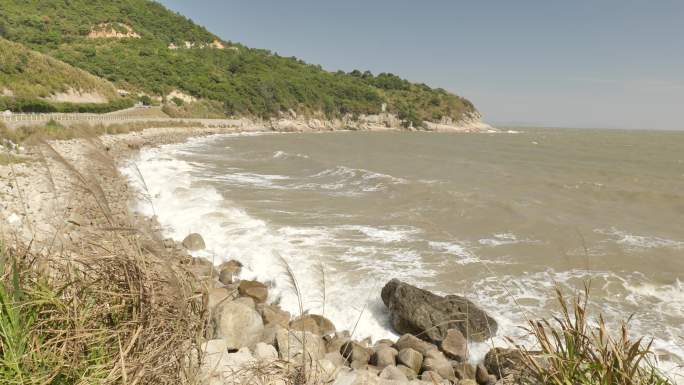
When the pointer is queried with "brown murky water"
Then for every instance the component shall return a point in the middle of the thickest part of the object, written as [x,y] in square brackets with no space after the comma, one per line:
[502,218]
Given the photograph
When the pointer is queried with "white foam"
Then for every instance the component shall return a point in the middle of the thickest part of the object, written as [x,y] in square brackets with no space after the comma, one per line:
[285,155]
[501,239]
[460,250]
[384,234]
[632,241]
[183,204]
[252,179]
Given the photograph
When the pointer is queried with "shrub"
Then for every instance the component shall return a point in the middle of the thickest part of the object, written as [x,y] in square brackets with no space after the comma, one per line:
[574,351]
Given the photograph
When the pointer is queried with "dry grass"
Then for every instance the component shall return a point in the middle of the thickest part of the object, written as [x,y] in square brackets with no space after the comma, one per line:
[575,351]
[56,131]
[110,307]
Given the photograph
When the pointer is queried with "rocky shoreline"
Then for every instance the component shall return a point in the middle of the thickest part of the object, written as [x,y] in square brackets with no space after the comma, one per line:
[247,332]
[243,331]
[247,339]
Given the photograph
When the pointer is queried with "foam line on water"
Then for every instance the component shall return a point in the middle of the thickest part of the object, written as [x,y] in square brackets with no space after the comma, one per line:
[184,204]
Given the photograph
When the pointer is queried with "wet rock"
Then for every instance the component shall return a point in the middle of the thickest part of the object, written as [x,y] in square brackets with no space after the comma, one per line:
[384,356]
[455,345]
[463,370]
[411,359]
[392,373]
[419,311]
[415,343]
[228,271]
[481,374]
[238,324]
[254,289]
[503,362]
[194,242]
[383,342]
[355,352]
[313,323]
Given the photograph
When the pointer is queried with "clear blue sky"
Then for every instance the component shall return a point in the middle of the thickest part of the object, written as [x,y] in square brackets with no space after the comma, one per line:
[579,63]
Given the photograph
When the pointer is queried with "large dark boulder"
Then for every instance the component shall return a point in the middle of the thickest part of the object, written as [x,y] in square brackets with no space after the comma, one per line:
[430,316]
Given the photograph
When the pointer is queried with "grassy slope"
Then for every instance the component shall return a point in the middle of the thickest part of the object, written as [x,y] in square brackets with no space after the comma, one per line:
[24,71]
[242,80]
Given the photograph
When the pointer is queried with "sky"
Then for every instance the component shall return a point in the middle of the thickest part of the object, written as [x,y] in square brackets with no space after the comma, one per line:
[579,63]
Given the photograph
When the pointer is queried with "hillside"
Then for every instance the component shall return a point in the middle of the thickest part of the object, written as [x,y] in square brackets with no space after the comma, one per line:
[141,46]
[30,80]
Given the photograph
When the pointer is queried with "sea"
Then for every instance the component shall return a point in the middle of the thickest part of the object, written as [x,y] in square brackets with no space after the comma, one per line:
[503,219]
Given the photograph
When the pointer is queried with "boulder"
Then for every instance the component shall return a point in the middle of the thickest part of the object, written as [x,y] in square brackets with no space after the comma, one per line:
[221,367]
[436,361]
[411,359]
[202,268]
[392,373]
[417,311]
[408,372]
[354,352]
[503,362]
[336,358]
[482,375]
[313,323]
[217,346]
[455,345]
[431,376]
[238,324]
[463,370]
[383,342]
[265,353]
[194,242]
[268,336]
[293,344]
[254,289]
[219,296]
[467,382]
[228,271]
[326,370]
[274,315]
[410,341]
[384,356]
[334,343]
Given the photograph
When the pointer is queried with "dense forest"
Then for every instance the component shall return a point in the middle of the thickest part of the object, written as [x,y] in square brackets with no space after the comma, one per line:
[170,52]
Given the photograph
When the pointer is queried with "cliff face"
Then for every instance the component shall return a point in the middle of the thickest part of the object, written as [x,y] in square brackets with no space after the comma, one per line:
[373,122]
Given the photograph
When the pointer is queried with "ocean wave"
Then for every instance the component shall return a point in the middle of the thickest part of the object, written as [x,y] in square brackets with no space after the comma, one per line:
[460,250]
[384,234]
[501,239]
[346,181]
[512,299]
[251,179]
[633,241]
[285,155]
